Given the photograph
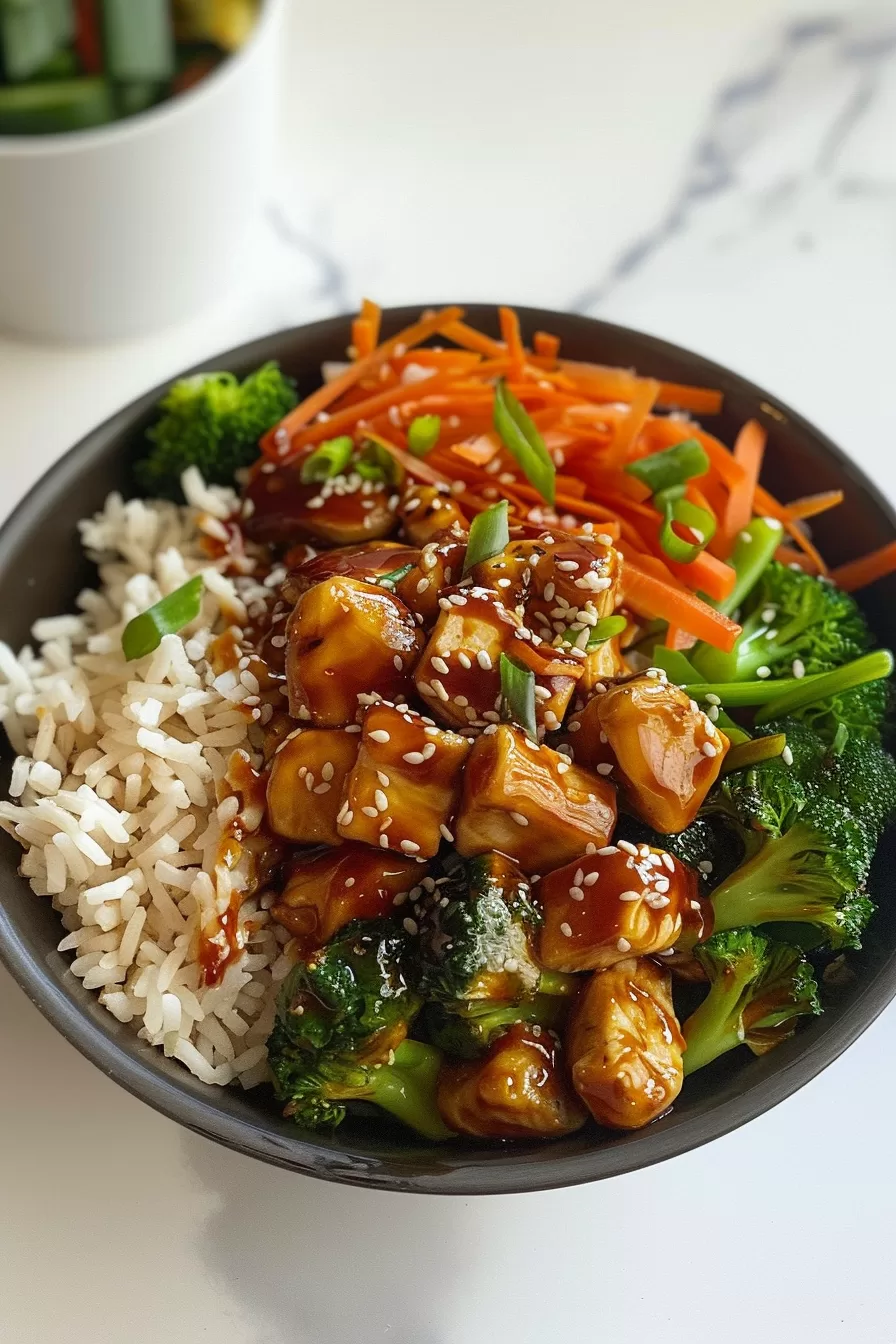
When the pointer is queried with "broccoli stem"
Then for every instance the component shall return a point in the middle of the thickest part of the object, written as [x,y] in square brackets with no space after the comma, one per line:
[712,1029]
[754,752]
[406,1088]
[559,984]
[765,890]
[782,697]
[753,551]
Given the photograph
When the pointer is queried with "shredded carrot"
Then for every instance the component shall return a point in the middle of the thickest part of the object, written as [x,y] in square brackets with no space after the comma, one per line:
[749,448]
[700,400]
[651,597]
[363,338]
[324,396]
[788,555]
[371,312]
[867,569]
[546,345]
[470,339]
[510,331]
[809,506]
[417,467]
[480,451]
[630,426]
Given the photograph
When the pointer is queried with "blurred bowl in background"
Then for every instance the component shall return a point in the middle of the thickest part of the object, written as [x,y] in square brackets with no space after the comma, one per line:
[127,228]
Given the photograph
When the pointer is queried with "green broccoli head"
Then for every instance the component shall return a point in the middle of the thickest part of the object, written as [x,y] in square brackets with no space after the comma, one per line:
[810,874]
[316,1088]
[212,421]
[859,712]
[789,616]
[467,1029]
[758,989]
[862,777]
[768,796]
[476,933]
[351,991]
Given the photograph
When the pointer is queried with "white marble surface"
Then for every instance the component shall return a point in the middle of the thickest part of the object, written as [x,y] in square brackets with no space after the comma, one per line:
[724,176]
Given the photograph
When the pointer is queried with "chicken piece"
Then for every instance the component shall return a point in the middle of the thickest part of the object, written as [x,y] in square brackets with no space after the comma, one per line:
[518,1091]
[668,753]
[326,890]
[440,564]
[346,638]
[368,563]
[602,665]
[575,583]
[405,786]
[625,1046]
[427,510]
[306,782]
[510,573]
[459,673]
[529,803]
[613,905]
[339,511]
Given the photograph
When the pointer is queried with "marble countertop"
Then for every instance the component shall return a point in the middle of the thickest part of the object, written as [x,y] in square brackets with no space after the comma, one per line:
[728,181]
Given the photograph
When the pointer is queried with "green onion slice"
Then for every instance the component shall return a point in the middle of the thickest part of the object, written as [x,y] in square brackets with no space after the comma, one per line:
[330,459]
[676,509]
[523,441]
[600,633]
[745,754]
[376,463]
[423,434]
[489,535]
[518,695]
[670,466]
[144,633]
[394,576]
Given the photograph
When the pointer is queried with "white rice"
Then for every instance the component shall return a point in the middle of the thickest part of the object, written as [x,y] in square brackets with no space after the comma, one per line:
[118,790]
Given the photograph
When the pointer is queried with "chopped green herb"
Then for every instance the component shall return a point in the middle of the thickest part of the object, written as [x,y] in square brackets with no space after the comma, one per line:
[394,576]
[144,633]
[600,633]
[489,535]
[523,441]
[376,463]
[518,695]
[330,459]
[423,434]
[676,509]
[671,466]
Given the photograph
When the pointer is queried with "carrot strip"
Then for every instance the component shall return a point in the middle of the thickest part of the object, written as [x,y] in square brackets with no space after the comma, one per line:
[470,339]
[653,598]
[700,400]
[786,555]
[363,338]
[630,425]
[546,345]
[276,443]
[371,312]
[402,394]
[866,569]
[414,466]
[749,448]
[809,506]
[480,452]
[706,574]
[510,331]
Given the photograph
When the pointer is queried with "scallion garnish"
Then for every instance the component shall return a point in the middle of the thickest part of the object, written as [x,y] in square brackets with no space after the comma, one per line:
[523,441]
[394,576]
[144,633]
[676,509]
[518,695]
[599,634]
[376,463]
[423,434]
[489,535]
[760,749]
[330,459]
[670,466]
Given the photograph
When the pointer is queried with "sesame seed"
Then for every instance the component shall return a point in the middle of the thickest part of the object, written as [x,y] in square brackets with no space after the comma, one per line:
[380,735]
[520,819]
[327,770]
[798,667]
[604,768]
[410,846]
[566,930]
[370,811]
[383,779]
[309,781]
[567,566]
[607,849]
[414,757]
[763,672]
[629,895]
[562,767]
[705,866]
[579,877]
[712,699]
[382,802]
[590,879]
[384,842]
[409,925]
[787,756]
[445,833]
[662,884]
[323,788]
[577,894]
[713,714]
[604,538]
[458,599]
[668,861]
[397,663]
[627,847]
[429,749]
[348,818]
[464,661]
[462,701]
[709,750]
[440,691]
[623,945]
[440,666]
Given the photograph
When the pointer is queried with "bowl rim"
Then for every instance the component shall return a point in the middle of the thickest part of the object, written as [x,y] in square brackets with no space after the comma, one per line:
[139,124]
[199,1113]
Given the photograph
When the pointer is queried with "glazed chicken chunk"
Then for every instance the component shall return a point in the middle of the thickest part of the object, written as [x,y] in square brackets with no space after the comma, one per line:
[428,510]
[346,638]
[404,789]
[664,751]
[305,786]
[529,803]
[518,1091]
[625,1046]
[339,511]
[439,564]
[325,890]
[624,901]
[366,562]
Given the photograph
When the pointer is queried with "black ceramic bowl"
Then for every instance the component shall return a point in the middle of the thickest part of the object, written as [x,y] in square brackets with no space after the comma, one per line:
[41,571]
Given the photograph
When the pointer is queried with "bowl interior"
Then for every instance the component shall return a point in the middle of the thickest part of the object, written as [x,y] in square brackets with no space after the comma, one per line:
[41,571]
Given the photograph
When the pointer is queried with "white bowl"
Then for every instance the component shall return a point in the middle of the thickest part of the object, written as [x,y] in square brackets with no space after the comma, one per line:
[129,227]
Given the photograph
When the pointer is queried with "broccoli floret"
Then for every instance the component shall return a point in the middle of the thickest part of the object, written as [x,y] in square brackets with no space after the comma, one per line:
[757,990]
[316,1087]
[769,795]
[859,712]
[713,845]
[479,944]
[810,874]
[863,778]
[212,421]
[468,1029]
[351,991]
[789,615]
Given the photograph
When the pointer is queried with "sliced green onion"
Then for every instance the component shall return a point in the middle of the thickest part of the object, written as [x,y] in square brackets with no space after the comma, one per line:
[376,463]
[670,466]
[394,576]
[752,753]
[599,633]
[841,737]
[523,441]
[753,552]
[330,459]
[144,633]
[676,509]
[518,695]
[423,434]
[489,535]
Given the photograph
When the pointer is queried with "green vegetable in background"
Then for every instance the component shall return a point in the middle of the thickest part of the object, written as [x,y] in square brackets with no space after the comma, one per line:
[523,441]
[212,421]
[489,535]
[144,633]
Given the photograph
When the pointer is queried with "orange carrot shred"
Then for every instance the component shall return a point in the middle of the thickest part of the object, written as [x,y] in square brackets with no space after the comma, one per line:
[546,345]
[371,312]
[363,337]
[470,339]
[657,600]
[809,506]
[749,448]
[630,425]
[866,569]
[510,331]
